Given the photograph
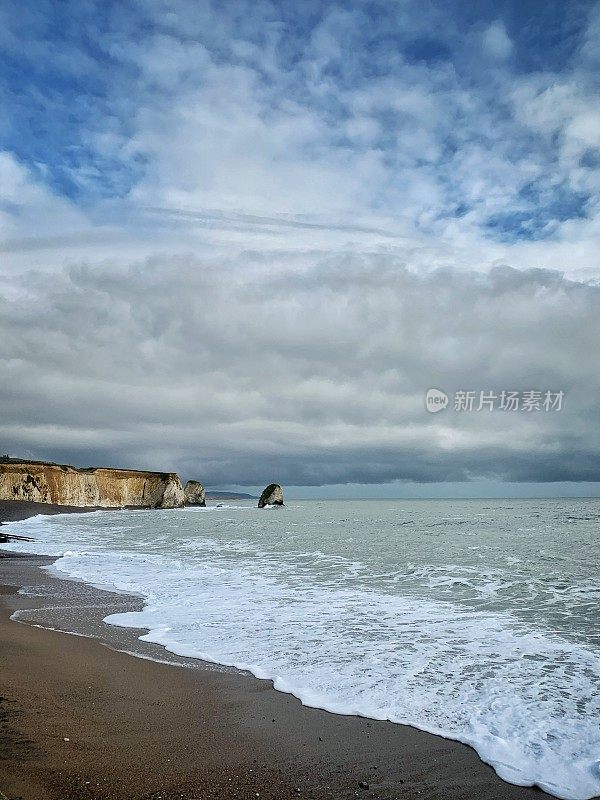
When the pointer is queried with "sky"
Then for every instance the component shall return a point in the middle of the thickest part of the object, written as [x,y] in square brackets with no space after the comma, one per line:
[242,240]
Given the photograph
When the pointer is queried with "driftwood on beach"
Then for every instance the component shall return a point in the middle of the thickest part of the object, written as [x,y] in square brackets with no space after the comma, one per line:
[11,537]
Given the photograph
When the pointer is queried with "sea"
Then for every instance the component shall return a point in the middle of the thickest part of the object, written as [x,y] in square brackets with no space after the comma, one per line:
[478,620]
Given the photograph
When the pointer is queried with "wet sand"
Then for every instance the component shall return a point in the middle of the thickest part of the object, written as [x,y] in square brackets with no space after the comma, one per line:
[79,719]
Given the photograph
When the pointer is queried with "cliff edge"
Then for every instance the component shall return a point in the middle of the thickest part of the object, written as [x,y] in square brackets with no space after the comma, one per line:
[99,487]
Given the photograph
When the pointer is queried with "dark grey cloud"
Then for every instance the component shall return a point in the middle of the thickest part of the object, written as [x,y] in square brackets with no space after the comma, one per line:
[239,370]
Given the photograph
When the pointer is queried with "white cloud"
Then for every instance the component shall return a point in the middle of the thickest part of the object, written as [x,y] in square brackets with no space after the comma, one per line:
[496,41]
[242,148]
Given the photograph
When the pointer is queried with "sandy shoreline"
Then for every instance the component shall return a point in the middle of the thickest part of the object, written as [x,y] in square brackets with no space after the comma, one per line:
[141,729]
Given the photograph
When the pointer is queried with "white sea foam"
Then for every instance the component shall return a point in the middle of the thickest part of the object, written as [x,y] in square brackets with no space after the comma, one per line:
[470,650]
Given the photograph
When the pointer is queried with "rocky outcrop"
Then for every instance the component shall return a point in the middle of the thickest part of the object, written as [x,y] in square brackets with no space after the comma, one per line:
[99,487]
[194,494]
[272,496]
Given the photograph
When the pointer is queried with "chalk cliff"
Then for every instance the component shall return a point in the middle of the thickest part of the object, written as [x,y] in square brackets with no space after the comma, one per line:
[101,487]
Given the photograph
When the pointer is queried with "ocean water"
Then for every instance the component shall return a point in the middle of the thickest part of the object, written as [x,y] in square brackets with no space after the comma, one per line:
[476,620]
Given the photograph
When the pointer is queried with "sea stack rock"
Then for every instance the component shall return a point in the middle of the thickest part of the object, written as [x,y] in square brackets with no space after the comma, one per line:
[272,496]
[194,494]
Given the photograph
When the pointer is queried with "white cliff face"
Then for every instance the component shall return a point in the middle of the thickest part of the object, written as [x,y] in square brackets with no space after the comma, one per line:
[194,494]
[272,496]
[101,487]
[173,495]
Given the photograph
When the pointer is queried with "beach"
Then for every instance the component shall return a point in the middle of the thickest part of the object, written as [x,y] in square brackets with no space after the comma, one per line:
[82,720]
[300,400]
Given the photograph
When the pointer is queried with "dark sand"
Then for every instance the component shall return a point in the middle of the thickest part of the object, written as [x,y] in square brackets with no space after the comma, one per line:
[15,510]
[141,729]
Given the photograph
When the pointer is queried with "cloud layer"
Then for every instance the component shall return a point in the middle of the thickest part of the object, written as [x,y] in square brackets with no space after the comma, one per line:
[242,240]
[316,374]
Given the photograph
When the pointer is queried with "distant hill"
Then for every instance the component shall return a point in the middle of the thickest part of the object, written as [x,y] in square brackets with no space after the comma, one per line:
[210,495]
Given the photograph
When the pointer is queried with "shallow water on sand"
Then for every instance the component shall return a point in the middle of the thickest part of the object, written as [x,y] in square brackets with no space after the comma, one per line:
[477,620]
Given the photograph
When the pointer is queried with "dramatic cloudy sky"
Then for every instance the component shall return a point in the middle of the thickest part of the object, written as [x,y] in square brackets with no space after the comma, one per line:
[241,240]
